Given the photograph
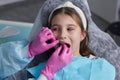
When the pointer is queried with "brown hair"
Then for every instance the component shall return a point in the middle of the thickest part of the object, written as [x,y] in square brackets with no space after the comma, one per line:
[84,49]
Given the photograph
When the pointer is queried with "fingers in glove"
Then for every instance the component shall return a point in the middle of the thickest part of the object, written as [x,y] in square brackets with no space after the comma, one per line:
[57,51]
[66,54]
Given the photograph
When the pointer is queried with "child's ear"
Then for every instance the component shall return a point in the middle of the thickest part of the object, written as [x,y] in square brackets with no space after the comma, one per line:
[83,35]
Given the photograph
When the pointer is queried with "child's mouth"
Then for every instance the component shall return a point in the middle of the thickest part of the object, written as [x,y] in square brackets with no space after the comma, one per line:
[61,43]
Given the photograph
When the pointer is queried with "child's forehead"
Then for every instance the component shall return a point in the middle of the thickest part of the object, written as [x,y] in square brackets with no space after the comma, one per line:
[64,17]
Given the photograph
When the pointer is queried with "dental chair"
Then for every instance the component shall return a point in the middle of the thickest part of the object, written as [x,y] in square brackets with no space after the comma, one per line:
[114,30]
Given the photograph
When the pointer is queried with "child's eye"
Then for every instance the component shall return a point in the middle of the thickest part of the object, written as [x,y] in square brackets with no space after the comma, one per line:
[70,29]
[54,29]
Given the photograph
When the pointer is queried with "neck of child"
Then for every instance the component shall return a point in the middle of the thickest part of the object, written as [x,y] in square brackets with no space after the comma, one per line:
[76,54]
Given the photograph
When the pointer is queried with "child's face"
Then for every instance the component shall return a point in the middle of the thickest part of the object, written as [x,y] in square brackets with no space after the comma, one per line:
[66,30]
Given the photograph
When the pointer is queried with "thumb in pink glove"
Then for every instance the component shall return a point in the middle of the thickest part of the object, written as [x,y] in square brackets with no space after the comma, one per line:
[43,42]
[60,58]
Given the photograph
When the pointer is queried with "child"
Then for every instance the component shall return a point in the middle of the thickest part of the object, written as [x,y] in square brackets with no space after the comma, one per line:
[80,67]
[69,25]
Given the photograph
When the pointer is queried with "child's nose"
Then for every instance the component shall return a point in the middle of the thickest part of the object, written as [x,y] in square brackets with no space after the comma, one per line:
[63,34]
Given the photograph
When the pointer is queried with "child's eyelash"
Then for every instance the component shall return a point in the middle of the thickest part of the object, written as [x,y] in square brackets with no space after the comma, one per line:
[70,29]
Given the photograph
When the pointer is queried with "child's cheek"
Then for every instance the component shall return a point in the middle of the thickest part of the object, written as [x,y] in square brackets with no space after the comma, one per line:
[55,34]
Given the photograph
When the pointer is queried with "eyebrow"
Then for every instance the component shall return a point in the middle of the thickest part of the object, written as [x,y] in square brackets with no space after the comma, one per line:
[71,25]
[55,25]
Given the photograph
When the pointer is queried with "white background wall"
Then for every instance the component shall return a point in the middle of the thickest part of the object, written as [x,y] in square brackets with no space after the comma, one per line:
[4,2]
[107,9]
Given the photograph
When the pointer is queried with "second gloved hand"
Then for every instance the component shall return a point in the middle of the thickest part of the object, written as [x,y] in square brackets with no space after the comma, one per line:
[60,58]
[43,42]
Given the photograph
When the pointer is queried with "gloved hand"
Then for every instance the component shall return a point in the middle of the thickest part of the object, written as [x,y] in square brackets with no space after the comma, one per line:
[60,58]
[43,42]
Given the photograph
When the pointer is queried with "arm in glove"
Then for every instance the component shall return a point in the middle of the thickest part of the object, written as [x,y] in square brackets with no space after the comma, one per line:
[43,42]
[60,58]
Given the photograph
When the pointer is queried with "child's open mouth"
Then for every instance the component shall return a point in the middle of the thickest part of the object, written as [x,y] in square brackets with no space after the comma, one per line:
[61,43]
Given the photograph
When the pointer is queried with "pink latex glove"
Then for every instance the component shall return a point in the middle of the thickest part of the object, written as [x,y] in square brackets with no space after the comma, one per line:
[60,58]
[43,42]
